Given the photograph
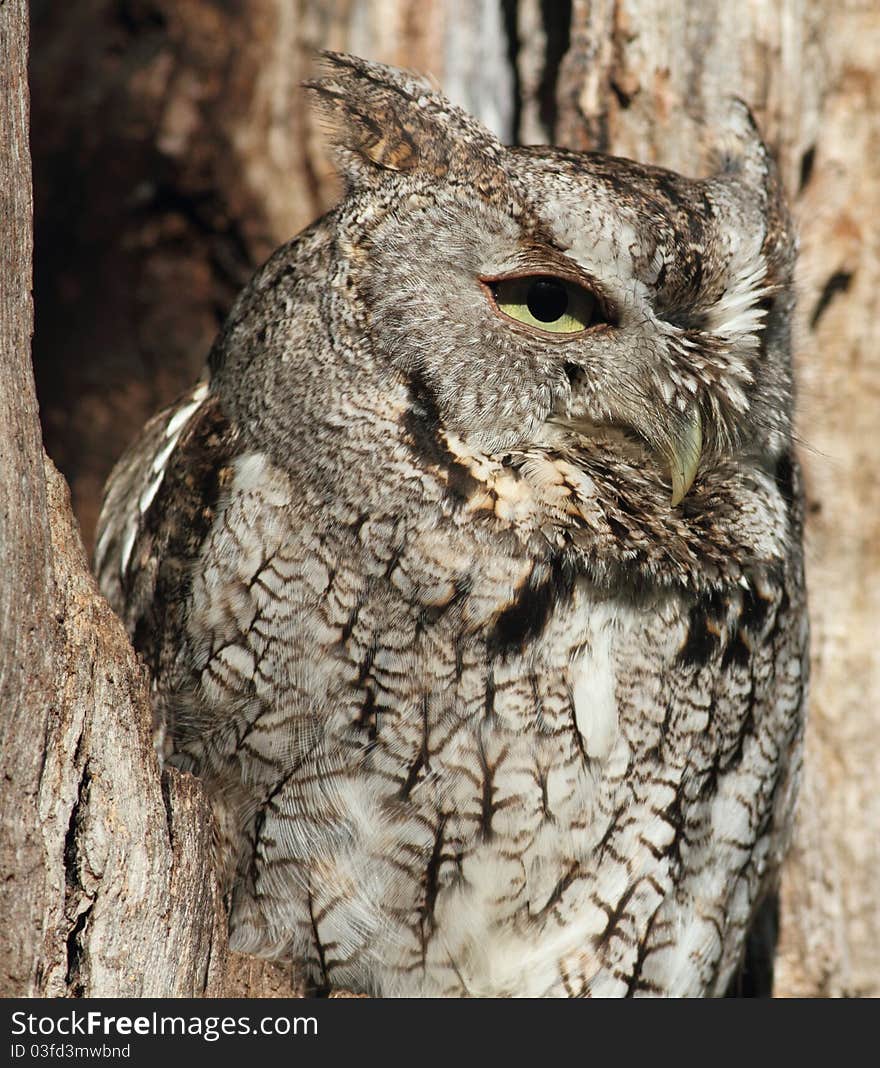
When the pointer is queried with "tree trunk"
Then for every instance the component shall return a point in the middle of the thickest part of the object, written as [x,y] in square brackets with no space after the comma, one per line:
[107,887]
[172,151]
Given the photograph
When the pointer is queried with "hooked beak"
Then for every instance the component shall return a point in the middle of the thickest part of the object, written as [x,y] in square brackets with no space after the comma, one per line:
[682,449]
[676,438]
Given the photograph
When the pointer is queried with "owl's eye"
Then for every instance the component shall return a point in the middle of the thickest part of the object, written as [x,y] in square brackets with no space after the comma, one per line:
[547,303]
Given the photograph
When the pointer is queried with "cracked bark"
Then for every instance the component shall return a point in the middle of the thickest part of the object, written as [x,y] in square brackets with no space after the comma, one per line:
[172,153]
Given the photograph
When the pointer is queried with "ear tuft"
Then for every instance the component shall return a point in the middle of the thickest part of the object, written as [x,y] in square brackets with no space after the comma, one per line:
[740,150]
[749,173]
[377,115]
[384,119]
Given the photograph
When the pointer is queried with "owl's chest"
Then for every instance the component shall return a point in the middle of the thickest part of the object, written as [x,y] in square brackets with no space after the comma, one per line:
[502,784]
[481,729]
[467,769]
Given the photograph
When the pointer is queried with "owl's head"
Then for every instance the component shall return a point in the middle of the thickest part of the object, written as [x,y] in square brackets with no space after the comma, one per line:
[557,311]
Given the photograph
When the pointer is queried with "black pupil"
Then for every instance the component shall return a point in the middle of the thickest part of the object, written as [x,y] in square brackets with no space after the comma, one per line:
[547,300]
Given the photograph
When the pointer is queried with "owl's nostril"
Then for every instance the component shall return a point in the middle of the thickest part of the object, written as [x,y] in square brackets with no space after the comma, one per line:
[572,372]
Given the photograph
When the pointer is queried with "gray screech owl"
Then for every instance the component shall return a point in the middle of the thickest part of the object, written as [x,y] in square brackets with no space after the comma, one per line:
[470,579]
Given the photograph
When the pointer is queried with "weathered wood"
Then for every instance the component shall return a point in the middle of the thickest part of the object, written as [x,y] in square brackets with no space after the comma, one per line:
[131,903]
[26,621]
[107,887]
[838,209]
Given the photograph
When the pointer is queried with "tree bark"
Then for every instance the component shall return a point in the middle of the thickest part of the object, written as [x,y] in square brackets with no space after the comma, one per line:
[107,886]
[172,151]
[25,603]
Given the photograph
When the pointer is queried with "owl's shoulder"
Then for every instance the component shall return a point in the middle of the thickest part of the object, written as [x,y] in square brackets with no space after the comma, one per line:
[159,503]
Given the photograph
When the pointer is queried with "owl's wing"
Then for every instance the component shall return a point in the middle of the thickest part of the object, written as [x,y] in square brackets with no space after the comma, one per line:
[158,504]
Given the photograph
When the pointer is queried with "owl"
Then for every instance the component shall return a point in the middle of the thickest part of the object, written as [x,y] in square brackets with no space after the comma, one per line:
[469,578]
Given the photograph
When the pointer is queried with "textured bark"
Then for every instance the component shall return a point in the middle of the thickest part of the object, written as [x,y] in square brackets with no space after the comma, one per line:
[831,902]
[26,620]
[107,887]
[172,152]
[131,903]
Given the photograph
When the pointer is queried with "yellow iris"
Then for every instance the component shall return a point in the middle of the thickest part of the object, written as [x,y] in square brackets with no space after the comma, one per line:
[546,303]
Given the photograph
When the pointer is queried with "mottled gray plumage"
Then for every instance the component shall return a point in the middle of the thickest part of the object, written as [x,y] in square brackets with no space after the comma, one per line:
[488,641]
